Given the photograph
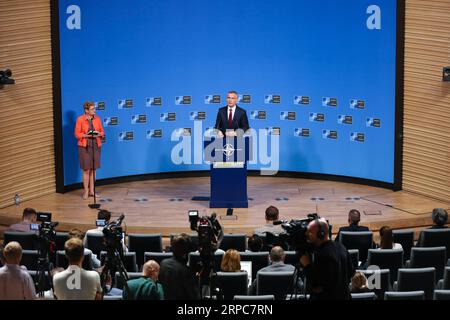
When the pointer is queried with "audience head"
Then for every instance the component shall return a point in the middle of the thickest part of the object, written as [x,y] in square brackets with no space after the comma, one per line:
[231,261]
[29,215]
[354,217]
[439,216]
[74,250]
[386,238]
[104,215]
[277,254]
[317,232]
[76,233]
[359,281]
[12,253]
[150,269]
[255,243]
[180,245]
[272,213]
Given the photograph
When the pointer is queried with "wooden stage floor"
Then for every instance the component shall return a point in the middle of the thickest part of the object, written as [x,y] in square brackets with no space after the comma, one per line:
[161,206]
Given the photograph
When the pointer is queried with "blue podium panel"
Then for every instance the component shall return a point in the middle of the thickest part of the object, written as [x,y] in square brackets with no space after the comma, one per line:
[228,175]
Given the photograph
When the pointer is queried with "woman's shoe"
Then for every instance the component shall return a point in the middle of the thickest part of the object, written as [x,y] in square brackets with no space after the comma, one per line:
[85,196]
[96,195]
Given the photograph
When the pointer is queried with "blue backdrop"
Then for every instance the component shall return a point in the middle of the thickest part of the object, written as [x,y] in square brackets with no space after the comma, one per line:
[319,60]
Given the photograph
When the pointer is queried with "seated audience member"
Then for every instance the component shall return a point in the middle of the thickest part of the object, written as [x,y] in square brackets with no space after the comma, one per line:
[440,218]
[106,216]
[75,283]
[387,239]
[272,214]
[231,261]
[29,216]
[177,279]
[354,216]
[15,282]
[359,283]
[254,243]
[146,287]
[76,233]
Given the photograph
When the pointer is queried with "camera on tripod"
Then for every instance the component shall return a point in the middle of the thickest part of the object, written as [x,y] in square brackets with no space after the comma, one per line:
[210,232]
[113,233]
[46,229]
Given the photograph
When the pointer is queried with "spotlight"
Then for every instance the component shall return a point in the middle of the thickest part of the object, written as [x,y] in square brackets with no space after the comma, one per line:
[5,77]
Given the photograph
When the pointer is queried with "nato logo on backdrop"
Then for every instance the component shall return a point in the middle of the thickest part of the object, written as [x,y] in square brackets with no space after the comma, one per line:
[167,116]
[287,115]
[125,103]
[126,136]
[183,100]
[314,116]
[373,122]
[153,101]
[345,119]
[100,105]
[139,118]
[301,132]
[301,100]
[197,115]
[212,98]
[357,136]
[329,134]
[329,102]
[154,133]
[110,121]
[272,98]
[273,131]
[244,98]
[357,104]
[258,115]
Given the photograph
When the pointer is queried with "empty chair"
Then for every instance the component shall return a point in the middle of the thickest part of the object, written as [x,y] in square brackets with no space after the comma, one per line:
[232,283]
[259,260]
[157,256]
[27,240]
[129,260]
[406,239]
[194,260]
[429,257]
[60,240]
[416,279]
[261,297]
[445,282]
[441,295]
[95,242]
[119,281]
[62,262]
[354,255]
[407,295]
[378,280]
[277,283]
[391,259]
[364,296]
[291,258]
[435,238]
[361,240]
[30,259]
[141,243]
[234,241]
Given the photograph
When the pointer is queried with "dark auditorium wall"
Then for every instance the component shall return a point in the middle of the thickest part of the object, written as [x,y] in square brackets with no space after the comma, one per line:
[27,148]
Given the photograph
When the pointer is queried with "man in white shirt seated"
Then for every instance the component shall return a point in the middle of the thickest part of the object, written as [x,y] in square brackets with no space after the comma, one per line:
[75,283]
[15,282]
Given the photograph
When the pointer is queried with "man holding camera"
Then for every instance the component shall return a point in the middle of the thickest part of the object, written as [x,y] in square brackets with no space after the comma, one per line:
[330,270]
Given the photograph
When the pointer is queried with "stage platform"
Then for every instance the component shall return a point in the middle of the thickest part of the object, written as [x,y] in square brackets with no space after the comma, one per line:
[161,206]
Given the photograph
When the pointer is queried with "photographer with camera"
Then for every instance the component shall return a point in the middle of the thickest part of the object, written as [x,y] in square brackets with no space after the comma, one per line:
[178,280]
[329,269]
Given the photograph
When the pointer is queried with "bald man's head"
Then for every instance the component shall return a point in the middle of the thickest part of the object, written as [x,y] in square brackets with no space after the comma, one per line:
[314,227]
[354,216]
[12,253]
[151,270]
[277,254]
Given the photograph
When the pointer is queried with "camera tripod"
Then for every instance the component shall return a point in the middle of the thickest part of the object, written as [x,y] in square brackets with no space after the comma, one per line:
[207,274]
[44,266]
[113,264]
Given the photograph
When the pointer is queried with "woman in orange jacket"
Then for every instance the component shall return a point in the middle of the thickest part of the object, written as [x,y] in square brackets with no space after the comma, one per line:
[88,131]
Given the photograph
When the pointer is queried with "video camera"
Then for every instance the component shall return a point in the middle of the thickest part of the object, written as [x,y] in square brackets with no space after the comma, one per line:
[294,235]
[210,232]
[113,233]
[47,227]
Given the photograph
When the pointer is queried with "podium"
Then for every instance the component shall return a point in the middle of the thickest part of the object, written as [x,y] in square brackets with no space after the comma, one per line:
[228,175]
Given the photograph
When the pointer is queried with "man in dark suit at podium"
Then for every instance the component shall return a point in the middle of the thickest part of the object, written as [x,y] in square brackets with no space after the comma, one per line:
[231,117]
